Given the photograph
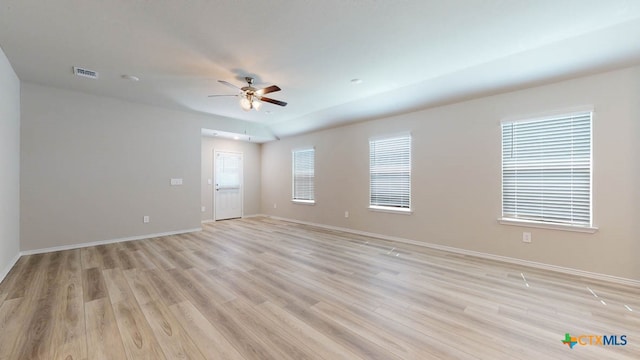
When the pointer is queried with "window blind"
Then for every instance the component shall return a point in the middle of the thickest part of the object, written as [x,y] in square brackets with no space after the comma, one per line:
[546,169]
[303,174]
[390,172]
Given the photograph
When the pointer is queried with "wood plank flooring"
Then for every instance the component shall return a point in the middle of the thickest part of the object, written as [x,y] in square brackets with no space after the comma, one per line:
[266,289]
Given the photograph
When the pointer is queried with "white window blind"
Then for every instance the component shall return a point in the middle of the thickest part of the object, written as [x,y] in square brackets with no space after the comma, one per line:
[546,170]
[303,175]
[390,172]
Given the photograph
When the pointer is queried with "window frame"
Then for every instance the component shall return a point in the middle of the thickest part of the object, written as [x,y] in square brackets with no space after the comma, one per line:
[385,208]
[294,199]
[529,220]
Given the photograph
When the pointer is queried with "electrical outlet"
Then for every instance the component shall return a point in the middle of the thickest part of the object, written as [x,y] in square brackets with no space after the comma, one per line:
[275,206]
[146,219]
[346,214]
[203,209]
[526,237]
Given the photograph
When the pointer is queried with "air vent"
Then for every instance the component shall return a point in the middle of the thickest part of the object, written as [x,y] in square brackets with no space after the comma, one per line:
[85,72]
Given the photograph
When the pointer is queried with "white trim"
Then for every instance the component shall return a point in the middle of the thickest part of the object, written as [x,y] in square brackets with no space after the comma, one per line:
[9,266]
[581,112]
[390,209]
[544,225]
[254,215]
[303,202]
[209,221]
[106,242]
[533,264]
[375,139]
[293,175]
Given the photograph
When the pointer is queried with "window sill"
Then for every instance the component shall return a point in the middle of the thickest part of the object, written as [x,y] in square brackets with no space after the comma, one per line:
[390,210]
[543,225]
[304,202]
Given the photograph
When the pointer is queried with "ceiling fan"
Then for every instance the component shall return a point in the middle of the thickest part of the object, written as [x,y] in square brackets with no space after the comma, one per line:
[250,97]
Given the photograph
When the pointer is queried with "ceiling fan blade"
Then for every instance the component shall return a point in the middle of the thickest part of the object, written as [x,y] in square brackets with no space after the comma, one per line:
[220,95]
[277,102]
[268,89]
[229,84]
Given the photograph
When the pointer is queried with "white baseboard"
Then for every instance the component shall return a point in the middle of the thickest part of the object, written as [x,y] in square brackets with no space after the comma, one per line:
[242,217]
[538,265]
[254,215]
[105,242]
[9,266]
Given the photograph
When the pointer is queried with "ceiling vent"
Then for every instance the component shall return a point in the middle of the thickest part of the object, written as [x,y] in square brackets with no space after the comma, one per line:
[85,72]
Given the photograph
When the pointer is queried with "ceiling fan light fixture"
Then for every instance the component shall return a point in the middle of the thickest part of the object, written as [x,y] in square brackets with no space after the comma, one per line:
[245,104]
[252,98]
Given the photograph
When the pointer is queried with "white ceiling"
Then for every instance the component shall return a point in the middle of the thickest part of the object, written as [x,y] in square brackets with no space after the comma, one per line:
[410,54]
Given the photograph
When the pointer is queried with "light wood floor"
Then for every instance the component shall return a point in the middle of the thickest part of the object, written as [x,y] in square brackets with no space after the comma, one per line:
[265,289]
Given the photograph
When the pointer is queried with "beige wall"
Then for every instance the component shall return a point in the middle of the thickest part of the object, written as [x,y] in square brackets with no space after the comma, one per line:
[456,184]
[9,165]
[92,167]
[251,174]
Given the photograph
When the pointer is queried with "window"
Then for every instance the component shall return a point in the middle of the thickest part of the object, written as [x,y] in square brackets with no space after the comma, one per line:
[303,175]
[546,170]
[390,173]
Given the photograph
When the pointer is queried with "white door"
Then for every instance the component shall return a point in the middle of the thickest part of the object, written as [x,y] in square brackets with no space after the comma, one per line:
[228,185]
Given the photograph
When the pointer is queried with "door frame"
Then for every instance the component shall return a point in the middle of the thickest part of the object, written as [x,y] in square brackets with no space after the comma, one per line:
[213,193]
